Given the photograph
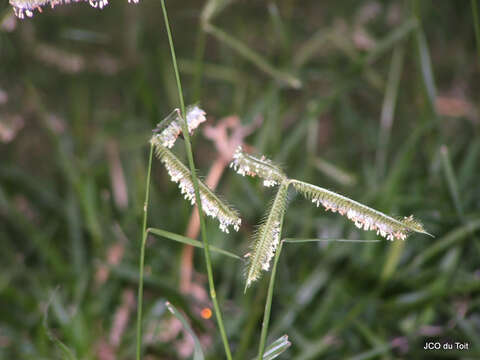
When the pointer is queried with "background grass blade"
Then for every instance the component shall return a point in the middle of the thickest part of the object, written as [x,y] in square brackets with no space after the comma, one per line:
[426,68]
[67,353]
[61,222]
[388,108]
[198,352]
[451,180]
[253,57]
[392,39]
[476,24]
[276,348]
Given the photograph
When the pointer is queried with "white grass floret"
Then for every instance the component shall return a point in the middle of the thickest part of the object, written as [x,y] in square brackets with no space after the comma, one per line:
[211,205]
[171,127]
[363,216]
[245,164]
[27,7]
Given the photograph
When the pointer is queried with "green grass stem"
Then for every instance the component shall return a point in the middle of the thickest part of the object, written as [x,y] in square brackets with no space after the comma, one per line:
[188,148]
[268,303]
[142,258]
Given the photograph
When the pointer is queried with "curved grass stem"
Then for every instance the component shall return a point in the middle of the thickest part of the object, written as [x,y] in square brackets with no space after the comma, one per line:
[188,148]
[142,258]
[268,303]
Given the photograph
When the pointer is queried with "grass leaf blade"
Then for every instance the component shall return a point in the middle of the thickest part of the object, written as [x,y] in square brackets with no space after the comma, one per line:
[276,348]
[198,352]
[189,241]
[67,354]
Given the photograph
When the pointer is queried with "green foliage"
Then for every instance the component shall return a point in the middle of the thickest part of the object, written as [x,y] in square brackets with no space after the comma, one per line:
[198,352]
[80,91]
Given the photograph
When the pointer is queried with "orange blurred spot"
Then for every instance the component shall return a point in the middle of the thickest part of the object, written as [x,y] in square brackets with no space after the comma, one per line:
[206,313]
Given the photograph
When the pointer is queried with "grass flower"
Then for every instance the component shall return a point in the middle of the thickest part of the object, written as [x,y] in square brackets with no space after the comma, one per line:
[363,216]
[168,130]
[245,164]
[27,7]
[267,237]
[211,204]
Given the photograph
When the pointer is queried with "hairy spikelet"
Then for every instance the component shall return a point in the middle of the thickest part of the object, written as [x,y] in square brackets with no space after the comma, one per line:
[27,7]
[211,204]
[246,164]
[364,217]
[168,130]
[267,237]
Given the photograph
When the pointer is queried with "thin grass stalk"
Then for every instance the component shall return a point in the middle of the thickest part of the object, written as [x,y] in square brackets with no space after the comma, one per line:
[188,148]
[268,303]
[142,258]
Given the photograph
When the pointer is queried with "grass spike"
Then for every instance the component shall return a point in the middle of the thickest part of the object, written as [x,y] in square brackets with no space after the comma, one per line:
[267,237]
[211,204]
[363,216]
[168,130]
[246,164]
[27,7]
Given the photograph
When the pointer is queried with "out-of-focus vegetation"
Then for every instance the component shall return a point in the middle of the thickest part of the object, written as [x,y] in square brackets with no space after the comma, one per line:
[376,100]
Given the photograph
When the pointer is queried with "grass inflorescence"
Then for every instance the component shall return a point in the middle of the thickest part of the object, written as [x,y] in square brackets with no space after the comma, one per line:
[352,98]
[27,8]
[211,204]
[268,234]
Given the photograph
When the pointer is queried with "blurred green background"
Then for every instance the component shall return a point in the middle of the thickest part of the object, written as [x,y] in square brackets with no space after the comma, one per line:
[377,100]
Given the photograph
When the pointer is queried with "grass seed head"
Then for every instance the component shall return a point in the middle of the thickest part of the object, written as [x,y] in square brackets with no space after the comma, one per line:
[168,130]
[245,164]
[211,204]
[24,8]
[267,237]
[363,216]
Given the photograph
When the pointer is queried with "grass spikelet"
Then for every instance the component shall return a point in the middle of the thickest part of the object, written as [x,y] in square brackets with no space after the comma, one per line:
[168,130]
[246,164]
[27,7]
[267,237]
[363,216]
[211,204]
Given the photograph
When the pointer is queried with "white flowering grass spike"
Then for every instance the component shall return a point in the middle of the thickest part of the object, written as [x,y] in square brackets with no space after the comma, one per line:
[246,164]
[168,130]
[211,204]
[363,216]
[267,237]
[24,8]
